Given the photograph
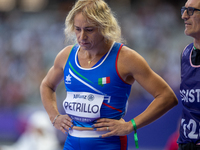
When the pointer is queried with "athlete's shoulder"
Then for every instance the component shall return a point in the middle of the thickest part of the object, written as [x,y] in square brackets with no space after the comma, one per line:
[131,59]
[63,55]
[65,51]
[130,54]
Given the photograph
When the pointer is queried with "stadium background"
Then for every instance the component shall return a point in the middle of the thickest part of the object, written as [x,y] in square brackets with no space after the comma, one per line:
[31,34]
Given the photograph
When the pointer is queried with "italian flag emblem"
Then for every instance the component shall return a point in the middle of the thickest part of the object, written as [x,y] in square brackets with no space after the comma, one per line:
[104,80]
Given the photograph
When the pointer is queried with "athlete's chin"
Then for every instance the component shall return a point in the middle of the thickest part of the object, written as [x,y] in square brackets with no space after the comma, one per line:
[85,46]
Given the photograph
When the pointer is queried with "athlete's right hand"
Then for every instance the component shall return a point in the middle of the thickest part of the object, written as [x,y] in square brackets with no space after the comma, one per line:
[63,123]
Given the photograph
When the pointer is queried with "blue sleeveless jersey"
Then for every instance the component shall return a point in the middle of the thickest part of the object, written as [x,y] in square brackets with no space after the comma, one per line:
[190,97]
[102,80]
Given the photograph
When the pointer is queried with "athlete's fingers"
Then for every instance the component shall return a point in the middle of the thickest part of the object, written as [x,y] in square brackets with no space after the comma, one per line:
[115,128]
[67,127]
[107,120]
[63,123]
[106,135]
[68,118]
[68,122]
[63,130]
[106,128]
[104,120]
[101,126]
[112,132]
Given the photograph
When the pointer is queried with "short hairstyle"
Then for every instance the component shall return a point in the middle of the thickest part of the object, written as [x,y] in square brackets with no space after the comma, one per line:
[97,12]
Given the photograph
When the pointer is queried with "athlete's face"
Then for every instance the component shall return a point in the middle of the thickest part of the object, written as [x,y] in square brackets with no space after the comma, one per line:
[87,33]
[192,23]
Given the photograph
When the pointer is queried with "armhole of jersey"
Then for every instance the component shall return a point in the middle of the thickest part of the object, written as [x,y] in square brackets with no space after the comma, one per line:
[116,63]
[68,56]
[181,57]
[183,51]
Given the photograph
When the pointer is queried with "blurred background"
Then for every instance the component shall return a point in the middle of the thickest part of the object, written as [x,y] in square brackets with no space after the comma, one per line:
[31,35]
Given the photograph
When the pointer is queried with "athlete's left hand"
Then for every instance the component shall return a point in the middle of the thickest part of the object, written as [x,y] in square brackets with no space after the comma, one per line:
[115,127]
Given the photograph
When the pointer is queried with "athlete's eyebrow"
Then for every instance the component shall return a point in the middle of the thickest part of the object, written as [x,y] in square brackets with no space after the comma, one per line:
[85,27]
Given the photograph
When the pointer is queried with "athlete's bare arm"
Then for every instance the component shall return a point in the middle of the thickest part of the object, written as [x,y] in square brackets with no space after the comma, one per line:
[48,88]
[132,67]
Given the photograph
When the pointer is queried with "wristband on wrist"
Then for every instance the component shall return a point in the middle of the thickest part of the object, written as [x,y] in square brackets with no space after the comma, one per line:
[55,119]
[135,134]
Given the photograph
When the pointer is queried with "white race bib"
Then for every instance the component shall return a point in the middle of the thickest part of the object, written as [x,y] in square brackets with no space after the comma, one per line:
[83,106]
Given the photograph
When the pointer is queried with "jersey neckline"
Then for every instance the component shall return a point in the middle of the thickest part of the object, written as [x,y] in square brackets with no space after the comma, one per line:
[97,64]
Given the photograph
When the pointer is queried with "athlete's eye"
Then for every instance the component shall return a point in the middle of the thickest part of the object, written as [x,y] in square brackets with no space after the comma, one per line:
[89,29]
[77,29]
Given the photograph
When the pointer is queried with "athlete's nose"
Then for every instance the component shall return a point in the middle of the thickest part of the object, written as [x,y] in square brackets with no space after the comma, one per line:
[83,35]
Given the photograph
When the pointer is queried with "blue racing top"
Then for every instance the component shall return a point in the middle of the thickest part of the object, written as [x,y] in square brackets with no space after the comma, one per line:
[96,92]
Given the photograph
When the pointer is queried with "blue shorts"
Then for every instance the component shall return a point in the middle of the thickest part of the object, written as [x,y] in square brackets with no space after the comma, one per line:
[109,143]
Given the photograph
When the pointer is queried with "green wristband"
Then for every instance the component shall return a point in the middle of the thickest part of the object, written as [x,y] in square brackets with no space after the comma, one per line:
[135,134]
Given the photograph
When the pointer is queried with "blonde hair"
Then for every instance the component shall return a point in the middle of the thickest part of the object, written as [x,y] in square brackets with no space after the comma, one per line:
[98,12]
